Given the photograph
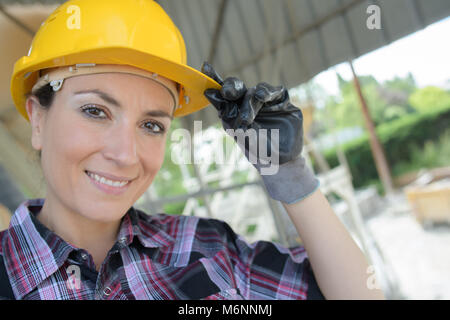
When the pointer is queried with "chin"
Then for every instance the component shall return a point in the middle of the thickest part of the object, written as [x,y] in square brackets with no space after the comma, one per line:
[105,212]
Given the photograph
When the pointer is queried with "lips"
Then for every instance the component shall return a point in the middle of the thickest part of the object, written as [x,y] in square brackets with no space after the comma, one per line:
[106,180]
[107,185]
[110,176]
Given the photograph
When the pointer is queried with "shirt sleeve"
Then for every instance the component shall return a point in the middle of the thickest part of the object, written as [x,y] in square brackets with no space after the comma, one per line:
[267,270]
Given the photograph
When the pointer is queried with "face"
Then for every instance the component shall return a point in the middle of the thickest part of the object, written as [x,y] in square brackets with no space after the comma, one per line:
[102,142]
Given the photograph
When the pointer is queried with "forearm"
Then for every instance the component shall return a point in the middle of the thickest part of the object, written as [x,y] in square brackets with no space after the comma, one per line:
[339,265]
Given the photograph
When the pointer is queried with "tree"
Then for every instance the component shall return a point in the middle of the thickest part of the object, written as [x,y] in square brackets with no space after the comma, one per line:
[348,112]
[386,101]
[405,85]
[429,97]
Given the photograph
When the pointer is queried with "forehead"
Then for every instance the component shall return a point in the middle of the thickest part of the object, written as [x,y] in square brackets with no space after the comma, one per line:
[124,88]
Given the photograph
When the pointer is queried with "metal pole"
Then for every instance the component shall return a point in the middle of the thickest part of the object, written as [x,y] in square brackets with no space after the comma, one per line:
[375,145]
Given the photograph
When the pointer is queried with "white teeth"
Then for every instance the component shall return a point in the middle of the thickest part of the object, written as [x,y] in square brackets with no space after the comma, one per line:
[106,181]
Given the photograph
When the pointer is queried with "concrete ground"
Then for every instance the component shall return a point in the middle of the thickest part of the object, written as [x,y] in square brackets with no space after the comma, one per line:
[419,258]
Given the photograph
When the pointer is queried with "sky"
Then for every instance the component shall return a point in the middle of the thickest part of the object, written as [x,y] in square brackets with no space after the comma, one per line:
[425,53]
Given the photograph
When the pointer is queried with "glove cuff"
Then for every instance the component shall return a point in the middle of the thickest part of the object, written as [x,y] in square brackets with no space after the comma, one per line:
[293,182]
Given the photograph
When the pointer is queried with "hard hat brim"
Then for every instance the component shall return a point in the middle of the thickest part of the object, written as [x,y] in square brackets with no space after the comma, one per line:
[194,82]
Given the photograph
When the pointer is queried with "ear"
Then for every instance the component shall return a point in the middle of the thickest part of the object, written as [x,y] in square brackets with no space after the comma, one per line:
[36,114]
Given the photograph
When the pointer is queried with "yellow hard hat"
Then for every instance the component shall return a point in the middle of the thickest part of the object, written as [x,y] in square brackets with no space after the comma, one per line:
[137,33]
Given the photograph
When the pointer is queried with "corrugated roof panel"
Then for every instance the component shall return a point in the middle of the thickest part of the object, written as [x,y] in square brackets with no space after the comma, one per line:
[234,24]
[276,19]
[275,73]
[254,23]
[337,42]
[190,11]
[233,36]
[300,11]
[309,47]
[365,39]
[434,10]
[253,30]
[191,40]
[250,73]
[293,68]
[209,10]
[226,51]
[322,8]
[396,25]
[244,24]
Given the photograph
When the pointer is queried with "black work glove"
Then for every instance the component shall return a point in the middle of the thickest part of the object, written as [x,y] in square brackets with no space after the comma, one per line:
[276,126]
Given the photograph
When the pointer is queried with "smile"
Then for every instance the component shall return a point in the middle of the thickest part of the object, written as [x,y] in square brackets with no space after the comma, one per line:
[108,185]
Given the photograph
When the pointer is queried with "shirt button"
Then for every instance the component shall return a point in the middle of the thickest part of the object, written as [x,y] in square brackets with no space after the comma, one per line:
[107,291]
[84,256]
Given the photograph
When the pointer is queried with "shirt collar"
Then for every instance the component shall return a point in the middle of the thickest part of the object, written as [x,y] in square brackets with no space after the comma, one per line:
[32,252]
[29,258]
[147,228]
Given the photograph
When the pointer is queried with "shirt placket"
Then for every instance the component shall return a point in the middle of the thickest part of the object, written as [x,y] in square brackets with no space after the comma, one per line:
[108,285]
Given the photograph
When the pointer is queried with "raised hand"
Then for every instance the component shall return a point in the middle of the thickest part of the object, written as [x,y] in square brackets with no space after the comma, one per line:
[261,107]
[266,107]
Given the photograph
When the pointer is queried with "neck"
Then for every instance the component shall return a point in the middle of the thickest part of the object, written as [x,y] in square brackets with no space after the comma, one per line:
[96,237]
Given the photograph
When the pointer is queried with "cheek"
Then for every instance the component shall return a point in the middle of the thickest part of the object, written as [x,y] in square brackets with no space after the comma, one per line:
[67,142]
[153,158]
[73,138]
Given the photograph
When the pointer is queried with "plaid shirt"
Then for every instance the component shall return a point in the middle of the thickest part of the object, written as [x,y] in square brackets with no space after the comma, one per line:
[155,257]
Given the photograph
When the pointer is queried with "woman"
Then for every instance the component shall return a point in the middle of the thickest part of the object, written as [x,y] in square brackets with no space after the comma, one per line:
[100,88]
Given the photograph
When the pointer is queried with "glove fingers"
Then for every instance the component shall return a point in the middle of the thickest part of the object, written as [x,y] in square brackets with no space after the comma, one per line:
[214,97]
[284,106]
[208,70]
[233,89]
[249,108]
[238,114]
[269,94]
[227,110]
[276,99]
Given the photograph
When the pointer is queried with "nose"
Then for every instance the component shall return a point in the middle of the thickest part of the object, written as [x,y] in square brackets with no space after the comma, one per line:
[121,145]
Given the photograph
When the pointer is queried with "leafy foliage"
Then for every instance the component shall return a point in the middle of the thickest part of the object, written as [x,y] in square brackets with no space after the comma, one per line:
[386,102]
[404,141]
[429,98]
[432,154]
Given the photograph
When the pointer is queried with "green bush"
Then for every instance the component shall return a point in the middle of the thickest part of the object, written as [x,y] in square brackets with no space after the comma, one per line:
[402,140]
[433,154]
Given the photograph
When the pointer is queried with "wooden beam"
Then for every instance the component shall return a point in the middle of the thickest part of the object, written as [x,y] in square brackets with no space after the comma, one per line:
[17,22]
[18,163]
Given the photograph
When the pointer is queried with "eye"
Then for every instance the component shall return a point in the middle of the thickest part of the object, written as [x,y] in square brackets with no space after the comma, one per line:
[154,127]
[93,111]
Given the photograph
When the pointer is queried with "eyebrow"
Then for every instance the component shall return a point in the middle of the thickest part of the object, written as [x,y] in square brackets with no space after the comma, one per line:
[107,98]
